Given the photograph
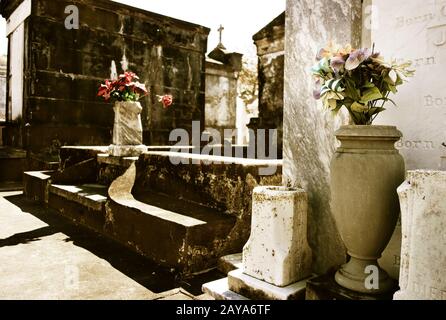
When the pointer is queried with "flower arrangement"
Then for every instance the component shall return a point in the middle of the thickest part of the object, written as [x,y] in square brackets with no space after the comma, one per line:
[358,79]
[128,88]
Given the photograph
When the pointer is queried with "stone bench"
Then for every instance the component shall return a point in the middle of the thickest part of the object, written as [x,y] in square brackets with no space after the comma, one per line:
[183,216]
[175,232]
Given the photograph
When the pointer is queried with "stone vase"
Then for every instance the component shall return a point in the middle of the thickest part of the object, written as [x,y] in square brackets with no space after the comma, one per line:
[366,171]
[127,130]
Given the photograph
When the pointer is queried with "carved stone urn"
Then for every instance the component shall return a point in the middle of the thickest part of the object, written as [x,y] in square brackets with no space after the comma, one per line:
[127,130]
[366,171]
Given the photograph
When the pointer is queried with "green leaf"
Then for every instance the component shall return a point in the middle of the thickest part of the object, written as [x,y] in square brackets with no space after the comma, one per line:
[373,111]
[334,85]
[357,107]
[393,89]
[371,94]
[368,84]
[351,91]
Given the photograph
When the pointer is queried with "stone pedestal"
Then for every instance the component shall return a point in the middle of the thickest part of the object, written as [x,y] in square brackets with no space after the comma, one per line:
[423,248]
[127,130]
[276,258]
[277,251]
[443,163]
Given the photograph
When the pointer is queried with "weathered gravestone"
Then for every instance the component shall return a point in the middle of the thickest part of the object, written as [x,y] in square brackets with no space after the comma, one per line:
[423,215]
[415,30]
[412,30]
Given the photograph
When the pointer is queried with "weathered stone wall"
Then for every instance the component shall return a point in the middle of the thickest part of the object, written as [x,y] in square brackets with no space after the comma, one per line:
[65,67]
[3,67]
[270,43]
[309,141]
[221,96]
[226,187]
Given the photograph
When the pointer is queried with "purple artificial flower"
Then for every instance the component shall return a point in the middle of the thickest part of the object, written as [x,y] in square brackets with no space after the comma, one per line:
[337,63]
[356,58]
[317,90]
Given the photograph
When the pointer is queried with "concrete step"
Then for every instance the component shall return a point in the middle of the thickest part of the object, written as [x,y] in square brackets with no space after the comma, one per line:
[35,185]
[92,196]
[84,204]
[219,290]
[230,262]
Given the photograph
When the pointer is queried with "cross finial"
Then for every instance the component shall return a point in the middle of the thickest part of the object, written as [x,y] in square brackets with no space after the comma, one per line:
[220,31]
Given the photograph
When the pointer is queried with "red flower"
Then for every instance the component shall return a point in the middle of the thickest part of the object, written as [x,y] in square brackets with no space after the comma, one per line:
[125,88]
[166,100]
[139,88]
[105,90]
[128,77]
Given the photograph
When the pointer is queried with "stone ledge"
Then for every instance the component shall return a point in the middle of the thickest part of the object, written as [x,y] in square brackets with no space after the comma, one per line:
[219,290]
[199,158]
[43,175]
[229,263]
[90,196]
[104,158]
[36,185]
[255,289]
[126,150]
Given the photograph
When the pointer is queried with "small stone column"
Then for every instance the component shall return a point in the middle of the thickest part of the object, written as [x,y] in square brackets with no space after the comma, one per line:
[423,248]
[443,163]
[277,256]
[127,130]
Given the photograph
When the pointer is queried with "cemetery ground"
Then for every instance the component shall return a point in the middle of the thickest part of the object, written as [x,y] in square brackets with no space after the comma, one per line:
[45,256]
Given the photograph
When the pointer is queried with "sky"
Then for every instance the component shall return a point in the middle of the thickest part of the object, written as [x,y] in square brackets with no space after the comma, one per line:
[240,18]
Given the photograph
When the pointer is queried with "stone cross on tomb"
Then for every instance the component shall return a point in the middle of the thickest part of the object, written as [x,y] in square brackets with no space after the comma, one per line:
[220,43]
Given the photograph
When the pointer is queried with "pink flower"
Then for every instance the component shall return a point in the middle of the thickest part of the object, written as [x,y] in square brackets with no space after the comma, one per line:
[166,100]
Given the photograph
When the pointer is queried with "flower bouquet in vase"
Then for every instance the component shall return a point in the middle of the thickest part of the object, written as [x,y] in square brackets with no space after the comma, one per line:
[366,169]
[126,91]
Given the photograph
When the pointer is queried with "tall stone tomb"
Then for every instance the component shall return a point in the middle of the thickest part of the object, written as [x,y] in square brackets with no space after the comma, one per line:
[414,30]
[308,131]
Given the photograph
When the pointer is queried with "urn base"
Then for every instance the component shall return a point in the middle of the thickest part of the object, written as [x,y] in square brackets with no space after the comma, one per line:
[365,276]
